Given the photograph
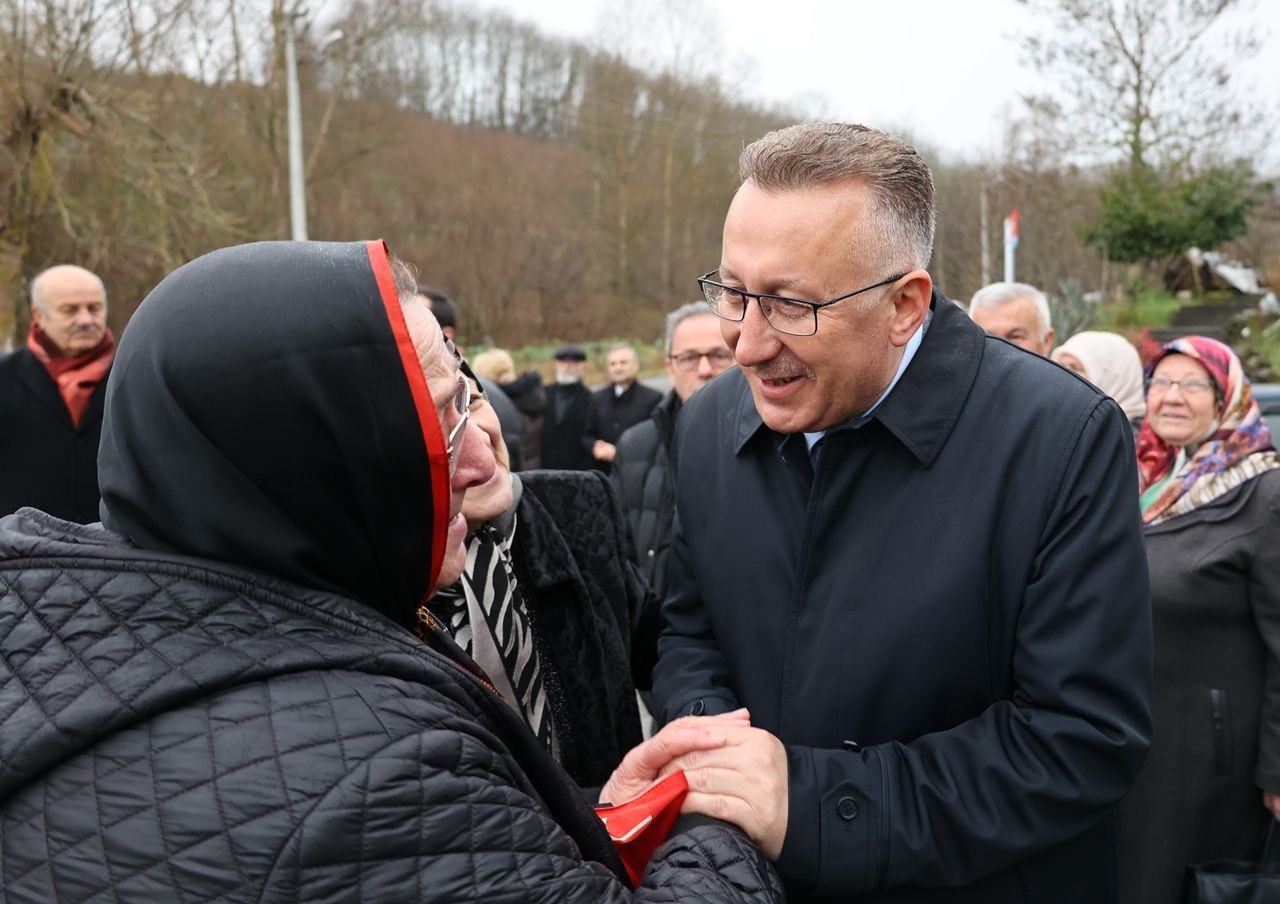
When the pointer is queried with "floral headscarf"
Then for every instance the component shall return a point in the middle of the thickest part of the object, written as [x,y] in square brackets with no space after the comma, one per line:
[1238,448]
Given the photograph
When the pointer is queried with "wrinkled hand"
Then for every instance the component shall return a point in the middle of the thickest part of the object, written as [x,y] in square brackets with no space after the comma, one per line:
[743,781]
[1271,800]
[603,451]
[645,763]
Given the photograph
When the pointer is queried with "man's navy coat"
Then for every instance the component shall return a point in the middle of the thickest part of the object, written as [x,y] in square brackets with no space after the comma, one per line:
[947,624]
[46,461]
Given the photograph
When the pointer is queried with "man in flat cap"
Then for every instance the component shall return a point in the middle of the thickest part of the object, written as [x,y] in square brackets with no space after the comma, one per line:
[569,427]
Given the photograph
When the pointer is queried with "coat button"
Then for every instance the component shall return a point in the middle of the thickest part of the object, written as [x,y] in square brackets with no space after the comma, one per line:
[847,808]
[698,708]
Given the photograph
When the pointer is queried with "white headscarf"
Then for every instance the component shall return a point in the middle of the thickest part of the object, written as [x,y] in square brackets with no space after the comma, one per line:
[1111,363]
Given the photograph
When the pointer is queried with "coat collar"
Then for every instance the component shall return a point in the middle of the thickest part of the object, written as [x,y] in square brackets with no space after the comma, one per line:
[925,405]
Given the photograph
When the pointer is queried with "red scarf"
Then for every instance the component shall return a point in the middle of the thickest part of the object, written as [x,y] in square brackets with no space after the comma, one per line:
[76,376]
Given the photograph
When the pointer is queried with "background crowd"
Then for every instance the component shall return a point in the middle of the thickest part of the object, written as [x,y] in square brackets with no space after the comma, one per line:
[224,480]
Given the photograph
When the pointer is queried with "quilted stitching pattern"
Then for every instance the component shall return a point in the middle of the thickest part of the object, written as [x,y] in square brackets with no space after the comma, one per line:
[171,733]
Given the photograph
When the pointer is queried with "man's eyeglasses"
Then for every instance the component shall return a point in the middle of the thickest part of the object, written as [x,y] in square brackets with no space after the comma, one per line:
[461,404]
[718,359]
[786,315]
[1160,385]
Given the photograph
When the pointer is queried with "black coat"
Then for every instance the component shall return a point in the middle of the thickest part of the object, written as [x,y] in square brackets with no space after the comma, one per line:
[530,398]
[646,486]
[46,461]
[1215,598]
[615,413]
[586,600]
[230,704]
[178,729]
[947,625]
[509,419]
[568,428]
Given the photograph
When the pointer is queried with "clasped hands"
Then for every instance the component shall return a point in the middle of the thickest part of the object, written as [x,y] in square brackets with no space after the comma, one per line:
[735,772]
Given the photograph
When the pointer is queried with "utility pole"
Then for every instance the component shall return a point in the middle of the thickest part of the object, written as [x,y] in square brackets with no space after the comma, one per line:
[297,184]
[984,230]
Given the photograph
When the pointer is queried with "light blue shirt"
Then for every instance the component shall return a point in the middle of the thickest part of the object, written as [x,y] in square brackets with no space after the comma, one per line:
[913,345]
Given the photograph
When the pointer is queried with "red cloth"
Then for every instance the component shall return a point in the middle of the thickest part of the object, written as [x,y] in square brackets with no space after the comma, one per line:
[77,376]
[639,826]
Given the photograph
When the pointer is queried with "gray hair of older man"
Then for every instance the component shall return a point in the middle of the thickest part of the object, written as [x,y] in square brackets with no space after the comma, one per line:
[817,154]
[997,295]
[37,296]
[683,313]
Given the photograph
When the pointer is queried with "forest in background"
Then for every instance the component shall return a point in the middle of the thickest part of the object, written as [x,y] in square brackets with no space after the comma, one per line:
[553,188]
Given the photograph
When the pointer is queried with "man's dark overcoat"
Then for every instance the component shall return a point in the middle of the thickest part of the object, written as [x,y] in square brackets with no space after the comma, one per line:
[46,461]
[947,624]
[615,412]
[568,428]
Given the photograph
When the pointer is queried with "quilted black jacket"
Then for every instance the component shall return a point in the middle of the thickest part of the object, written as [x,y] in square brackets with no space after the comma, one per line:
[172,729]
[646,486]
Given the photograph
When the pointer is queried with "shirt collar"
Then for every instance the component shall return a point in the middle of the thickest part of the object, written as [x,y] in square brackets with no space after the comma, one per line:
[913,345]
[929,396]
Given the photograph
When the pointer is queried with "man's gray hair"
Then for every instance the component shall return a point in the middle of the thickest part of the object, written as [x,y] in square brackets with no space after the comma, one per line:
[999,294]
[37,298]
[620,346]
[683,313]
[815,154]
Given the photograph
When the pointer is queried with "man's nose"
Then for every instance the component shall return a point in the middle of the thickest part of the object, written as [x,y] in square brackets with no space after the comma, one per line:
[757,340]
[476,463]
[705,369]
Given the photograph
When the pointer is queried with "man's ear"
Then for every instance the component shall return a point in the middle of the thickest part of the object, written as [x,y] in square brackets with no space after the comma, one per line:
[910,302]
[1048,341]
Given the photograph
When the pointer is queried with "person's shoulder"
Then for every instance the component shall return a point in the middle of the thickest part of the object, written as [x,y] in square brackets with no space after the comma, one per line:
[1033,378]
[638,436]
[19,357]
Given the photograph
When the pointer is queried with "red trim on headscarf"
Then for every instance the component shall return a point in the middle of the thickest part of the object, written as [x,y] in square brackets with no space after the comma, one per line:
[76,376]
[432,435]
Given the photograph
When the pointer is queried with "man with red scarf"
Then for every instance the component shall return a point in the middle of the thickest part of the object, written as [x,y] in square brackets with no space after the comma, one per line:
[51,395]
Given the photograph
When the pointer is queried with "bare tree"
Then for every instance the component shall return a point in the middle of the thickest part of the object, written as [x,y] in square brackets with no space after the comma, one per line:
[1151,80]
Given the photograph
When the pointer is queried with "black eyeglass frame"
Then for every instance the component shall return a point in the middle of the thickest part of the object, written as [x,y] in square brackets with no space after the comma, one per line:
[695,358]
[705,281]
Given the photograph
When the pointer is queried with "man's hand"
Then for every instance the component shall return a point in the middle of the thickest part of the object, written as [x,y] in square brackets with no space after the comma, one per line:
[743,781]
[603,451]
[645,763]
[1271,800]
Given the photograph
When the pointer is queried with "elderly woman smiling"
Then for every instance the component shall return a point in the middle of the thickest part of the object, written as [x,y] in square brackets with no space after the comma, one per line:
[1210,501]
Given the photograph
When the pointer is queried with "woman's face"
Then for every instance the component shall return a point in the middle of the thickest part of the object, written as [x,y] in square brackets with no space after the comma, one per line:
[493,497]
[1071,362]
[1181,403]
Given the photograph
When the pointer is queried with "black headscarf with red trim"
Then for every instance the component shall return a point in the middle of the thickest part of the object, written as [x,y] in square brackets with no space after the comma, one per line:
[267,409]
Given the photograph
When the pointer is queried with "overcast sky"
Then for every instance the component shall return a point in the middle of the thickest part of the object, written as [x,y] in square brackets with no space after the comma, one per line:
[947,71]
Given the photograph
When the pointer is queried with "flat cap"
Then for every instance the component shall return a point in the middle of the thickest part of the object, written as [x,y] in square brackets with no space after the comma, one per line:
[570,353]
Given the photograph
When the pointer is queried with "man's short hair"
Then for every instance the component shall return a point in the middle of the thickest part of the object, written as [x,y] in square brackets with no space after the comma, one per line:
[621,346]
[816,154]
[37,300]
[999,294]
[681,314]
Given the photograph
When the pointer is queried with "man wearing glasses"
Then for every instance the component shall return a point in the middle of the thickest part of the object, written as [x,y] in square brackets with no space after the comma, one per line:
[696,354]
[911,551]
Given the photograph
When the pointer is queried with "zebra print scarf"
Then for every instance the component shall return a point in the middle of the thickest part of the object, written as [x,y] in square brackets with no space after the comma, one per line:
[488,617]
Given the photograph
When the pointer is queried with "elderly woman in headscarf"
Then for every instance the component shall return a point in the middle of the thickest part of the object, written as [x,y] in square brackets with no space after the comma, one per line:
[1210,500]
[1111,363]
[554,608]
[224,692]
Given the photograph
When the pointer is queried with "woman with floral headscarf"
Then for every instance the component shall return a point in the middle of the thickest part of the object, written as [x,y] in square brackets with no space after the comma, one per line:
[1210,496]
